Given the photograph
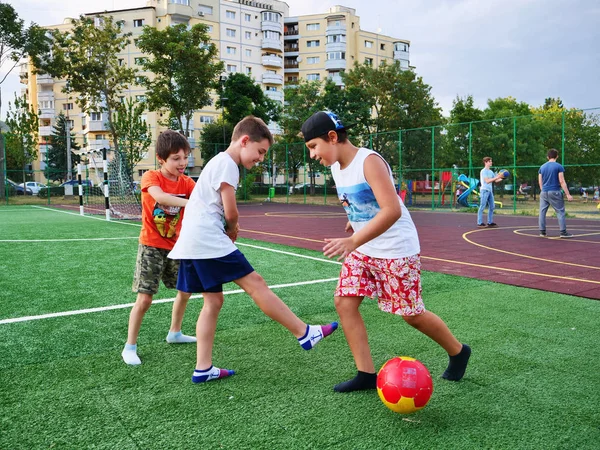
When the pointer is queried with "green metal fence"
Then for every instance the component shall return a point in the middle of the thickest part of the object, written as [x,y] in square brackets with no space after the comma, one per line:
[427,162]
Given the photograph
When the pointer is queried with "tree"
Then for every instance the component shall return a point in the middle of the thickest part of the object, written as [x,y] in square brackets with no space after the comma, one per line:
[301,102]
[211,139]
[56,155]
[185,70]
[16,42]
[21,139]
[459,140]
[243,98]
[86,56]
[134,134]
[398,99]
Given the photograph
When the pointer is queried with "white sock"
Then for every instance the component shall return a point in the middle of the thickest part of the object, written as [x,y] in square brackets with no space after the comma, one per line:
[179,338]
[130,356]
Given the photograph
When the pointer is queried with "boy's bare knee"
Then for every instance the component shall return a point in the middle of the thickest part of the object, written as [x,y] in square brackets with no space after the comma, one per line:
[414,321]
[144,301]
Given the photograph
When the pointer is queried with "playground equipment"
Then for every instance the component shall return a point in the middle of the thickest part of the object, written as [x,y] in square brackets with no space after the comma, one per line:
[471,184]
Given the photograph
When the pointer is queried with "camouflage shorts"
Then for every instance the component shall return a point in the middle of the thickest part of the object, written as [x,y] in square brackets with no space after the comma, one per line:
[152,265]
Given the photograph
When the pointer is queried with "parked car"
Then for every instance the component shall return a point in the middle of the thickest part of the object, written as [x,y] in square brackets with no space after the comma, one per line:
[18,190]
[34,186]
[75,183]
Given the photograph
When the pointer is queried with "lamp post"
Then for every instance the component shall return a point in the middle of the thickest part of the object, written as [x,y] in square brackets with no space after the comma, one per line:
[222,80]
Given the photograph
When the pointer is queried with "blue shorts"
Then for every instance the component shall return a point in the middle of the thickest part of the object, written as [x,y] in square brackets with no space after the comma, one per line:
[209,275]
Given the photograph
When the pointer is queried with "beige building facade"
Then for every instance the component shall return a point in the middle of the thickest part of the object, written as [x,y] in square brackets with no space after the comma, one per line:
[258,39]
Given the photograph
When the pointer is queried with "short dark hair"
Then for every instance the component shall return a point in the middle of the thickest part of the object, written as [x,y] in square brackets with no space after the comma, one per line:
[256,129]
[552,153]
[169,142]
[341,134]
[486,159]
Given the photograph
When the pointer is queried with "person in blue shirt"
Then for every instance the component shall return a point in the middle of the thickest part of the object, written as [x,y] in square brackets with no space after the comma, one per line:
[486,193]
[551,178]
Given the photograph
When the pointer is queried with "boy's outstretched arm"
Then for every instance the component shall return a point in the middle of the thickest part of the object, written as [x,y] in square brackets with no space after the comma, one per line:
[230,210]
[378,177]
[166,199]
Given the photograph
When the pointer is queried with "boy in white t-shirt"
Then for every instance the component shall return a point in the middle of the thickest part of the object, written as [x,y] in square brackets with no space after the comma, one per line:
[381,258]
[209,257]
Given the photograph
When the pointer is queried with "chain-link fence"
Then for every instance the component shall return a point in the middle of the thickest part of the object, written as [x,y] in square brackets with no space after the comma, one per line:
[434,167]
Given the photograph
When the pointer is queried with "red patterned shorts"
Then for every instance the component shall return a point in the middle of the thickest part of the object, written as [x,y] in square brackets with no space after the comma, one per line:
[395,282]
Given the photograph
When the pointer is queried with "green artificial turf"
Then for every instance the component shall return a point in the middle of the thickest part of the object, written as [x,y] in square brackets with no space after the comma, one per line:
[533,381]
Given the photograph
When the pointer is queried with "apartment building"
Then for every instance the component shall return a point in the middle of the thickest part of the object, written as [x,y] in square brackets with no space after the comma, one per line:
[257,38]
[248,35]
[320,46]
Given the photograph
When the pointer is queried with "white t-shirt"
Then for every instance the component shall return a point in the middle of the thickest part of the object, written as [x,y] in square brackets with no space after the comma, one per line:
[357,198]
[202,233]
[486,173]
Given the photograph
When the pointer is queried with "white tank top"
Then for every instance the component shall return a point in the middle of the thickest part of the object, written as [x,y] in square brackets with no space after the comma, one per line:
[357,198]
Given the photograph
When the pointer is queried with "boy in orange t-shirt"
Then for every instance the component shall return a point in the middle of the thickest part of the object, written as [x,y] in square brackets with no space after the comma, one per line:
[165,193]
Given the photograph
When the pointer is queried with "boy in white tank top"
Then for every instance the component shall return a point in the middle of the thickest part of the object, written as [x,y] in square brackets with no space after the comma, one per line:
[381,258]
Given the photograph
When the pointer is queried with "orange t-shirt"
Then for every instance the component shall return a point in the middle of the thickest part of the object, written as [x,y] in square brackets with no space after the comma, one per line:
[161,223]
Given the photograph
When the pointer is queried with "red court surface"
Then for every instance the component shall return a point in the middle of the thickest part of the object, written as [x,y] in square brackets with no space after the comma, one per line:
[451,243]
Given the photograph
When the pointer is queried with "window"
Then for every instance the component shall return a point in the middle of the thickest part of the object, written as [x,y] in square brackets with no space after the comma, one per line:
[248,52]
[271,89]
[139,80]
[99,137]
[180,2]
[142,171]
[206,119]
[267,34]
[336,38]
[96,116]
[135,41]
[313,26]
[230,32]
[248,70]
[83,123]
[382,47]
[336,55]
[121,61]
[403,64]
[231,68]
[205,10]
[292,79]
[98,21]
[313,60]
[140,98]
[368,44]
[247,17]
[122,99]
[313,76]
[248,34]
[369,61]
[270,16]
[400,47]
[209,28]
[138,23]
[231,50]
[139,61]
[67,106]
[46,104]
[230,14]
[313,43]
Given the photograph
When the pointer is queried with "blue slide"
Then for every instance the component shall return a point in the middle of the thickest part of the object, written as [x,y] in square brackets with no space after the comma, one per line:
[471,184]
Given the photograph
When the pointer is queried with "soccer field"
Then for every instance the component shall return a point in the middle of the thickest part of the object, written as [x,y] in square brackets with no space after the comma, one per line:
[65,297]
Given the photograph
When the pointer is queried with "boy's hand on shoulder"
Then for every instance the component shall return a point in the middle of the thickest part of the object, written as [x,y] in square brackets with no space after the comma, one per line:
[339,246]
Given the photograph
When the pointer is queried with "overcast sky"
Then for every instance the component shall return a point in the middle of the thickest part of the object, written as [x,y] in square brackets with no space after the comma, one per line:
[528,49]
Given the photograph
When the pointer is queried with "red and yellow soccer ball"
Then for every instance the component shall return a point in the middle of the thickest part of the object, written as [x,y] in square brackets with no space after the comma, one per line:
[404,385]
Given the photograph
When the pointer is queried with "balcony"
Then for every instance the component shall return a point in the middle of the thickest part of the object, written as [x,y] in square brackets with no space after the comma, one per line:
[399,54]
[335,64]
[272,78]
[44,79]
[94,146]
[335,47]
[337,79]
[290,67]
[268,25]
[292,32]
[180,13]
[45,130]
[191,162]
[97,125]
[46,113]
[335,29]
[192,142]
[272,61]
[274,95]
[271,44]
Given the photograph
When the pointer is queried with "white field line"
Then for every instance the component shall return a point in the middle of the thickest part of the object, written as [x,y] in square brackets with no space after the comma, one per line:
[129,305]
[69,239]
[166,300]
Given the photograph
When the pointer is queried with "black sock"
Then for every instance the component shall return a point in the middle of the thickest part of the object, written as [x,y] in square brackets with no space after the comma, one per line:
[361,382]
[458,364]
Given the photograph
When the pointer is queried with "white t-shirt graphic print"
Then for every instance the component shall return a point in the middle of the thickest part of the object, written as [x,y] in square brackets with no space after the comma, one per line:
[202,233]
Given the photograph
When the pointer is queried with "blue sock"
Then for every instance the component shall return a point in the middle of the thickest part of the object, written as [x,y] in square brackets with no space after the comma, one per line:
[212,373]
[131,347]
